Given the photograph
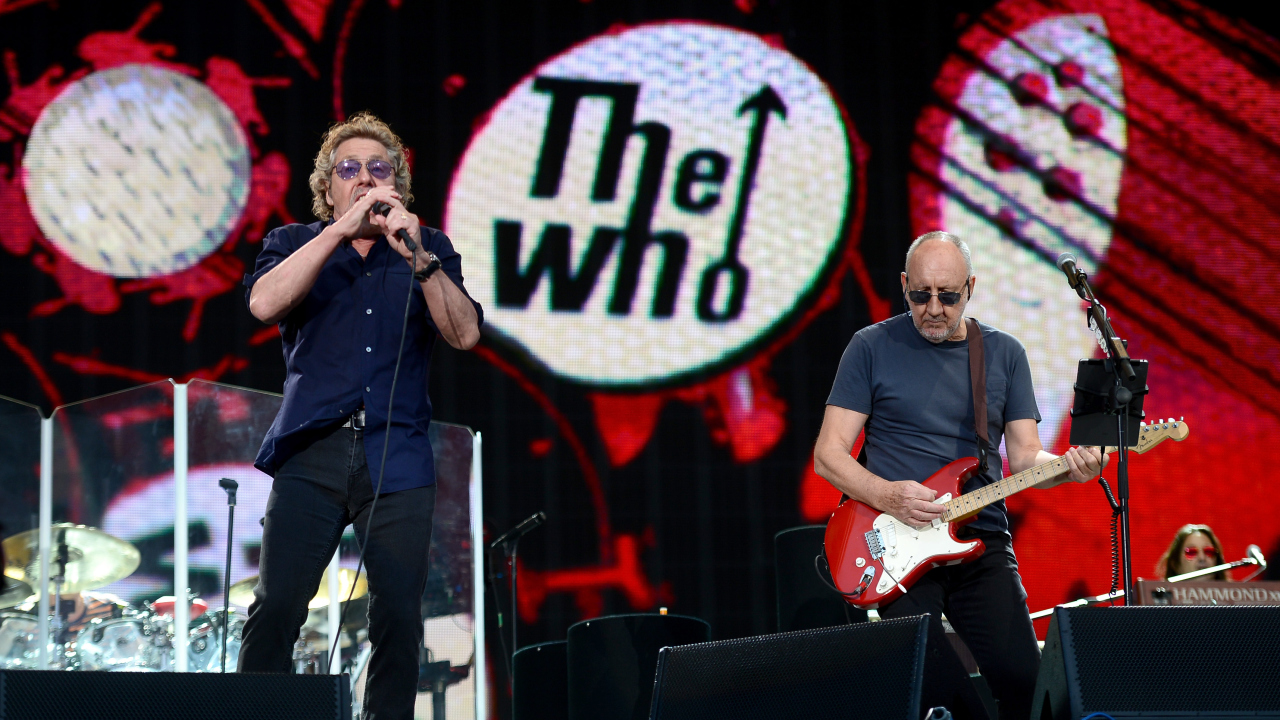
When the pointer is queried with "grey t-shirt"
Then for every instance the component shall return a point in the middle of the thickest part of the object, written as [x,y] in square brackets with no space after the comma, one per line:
[920,401]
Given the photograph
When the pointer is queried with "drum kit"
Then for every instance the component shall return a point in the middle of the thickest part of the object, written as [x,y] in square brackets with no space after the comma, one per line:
[96,631]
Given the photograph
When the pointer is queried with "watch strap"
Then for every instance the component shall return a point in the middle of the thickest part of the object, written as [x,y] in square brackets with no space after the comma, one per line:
[433,264]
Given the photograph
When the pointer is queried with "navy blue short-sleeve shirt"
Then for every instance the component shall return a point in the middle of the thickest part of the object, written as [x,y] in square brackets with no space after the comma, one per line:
[919,400]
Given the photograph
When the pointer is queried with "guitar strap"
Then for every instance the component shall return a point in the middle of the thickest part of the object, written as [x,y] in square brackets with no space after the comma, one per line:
[978,376]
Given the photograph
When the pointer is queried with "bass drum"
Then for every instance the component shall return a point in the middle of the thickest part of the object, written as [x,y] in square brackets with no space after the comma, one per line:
[19,641]
[204,644]
[132,643]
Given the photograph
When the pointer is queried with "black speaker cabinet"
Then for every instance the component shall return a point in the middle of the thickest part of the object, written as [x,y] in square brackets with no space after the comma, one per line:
[612,659]
[887,669]
[56,695]
[804,601]
[1160,662]
[541,687]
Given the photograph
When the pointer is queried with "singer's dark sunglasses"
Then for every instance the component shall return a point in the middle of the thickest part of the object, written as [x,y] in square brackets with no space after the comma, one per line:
[921,297]
[347,169]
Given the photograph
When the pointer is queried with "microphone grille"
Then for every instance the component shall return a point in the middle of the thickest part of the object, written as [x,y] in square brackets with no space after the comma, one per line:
[1255,552]
[1065,258]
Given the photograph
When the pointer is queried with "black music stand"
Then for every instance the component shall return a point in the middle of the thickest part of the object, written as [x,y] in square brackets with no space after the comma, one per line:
[1107,412]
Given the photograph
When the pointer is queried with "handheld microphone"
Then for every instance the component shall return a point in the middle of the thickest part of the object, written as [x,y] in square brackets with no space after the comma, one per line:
[528,524]
[1067,264]
[382,209]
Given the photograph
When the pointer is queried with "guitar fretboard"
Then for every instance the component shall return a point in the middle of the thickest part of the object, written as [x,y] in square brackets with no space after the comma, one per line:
[971,502]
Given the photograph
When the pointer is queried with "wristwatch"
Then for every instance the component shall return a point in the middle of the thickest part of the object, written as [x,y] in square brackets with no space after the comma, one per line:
[433,264]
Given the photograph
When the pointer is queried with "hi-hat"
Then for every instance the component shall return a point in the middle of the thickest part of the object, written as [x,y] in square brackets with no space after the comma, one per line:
[15,593]
[242,592]
[93,558]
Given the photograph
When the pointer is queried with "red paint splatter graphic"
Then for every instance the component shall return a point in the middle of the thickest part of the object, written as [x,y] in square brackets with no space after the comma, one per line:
[106,49]
[624,574]
[453,85]
[81,287]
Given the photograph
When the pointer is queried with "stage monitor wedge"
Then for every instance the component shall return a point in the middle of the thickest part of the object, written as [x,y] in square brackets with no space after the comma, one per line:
[890,669]
[58,695]
[1160,662]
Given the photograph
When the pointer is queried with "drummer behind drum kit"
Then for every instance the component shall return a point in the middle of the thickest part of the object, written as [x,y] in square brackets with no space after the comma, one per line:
[97,631]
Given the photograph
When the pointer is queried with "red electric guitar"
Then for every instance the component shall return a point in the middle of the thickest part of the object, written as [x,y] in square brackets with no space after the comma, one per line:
[875,557]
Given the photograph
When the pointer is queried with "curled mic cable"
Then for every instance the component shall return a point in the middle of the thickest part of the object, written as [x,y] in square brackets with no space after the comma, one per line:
[1115,536]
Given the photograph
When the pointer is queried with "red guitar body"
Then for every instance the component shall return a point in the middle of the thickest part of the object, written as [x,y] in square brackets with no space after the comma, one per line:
[874,557]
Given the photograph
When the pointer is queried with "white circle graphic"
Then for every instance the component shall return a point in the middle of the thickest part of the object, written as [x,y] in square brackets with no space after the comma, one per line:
[652,202]
[137,171]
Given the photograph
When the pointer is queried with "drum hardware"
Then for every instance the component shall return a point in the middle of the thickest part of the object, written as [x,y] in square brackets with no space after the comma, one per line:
[15,593]
[164,606]
[137,638]
[92,558]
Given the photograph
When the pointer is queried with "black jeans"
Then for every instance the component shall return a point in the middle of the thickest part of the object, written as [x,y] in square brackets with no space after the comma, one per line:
[986,604]
[316,494]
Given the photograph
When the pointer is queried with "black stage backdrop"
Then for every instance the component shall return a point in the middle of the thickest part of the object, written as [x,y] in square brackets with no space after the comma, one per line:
[667,429]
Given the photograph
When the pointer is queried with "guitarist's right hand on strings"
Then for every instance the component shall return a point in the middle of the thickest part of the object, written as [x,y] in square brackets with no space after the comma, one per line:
[910,502]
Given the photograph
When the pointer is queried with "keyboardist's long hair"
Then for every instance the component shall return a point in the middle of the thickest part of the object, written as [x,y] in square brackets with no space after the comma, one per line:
[1167,565]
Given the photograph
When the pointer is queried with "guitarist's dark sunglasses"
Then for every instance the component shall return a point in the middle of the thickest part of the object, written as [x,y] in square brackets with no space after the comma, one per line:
[921,297]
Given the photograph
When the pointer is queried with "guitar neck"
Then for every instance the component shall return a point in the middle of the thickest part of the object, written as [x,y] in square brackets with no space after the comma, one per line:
[971,502]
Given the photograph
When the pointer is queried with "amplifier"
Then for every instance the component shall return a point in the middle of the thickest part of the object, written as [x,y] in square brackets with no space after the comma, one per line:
[59,695]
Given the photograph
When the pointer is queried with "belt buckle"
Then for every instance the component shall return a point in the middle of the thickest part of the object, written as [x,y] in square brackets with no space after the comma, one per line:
[356,420]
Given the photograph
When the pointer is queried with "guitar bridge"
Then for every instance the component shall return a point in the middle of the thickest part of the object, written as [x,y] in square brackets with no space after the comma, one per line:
[874,544]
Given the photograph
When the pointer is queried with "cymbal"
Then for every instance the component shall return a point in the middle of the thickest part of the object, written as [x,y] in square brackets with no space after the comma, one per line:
[94,558]
[15,593]
[242,592]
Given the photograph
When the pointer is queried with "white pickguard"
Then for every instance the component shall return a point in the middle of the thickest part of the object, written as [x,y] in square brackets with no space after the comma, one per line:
[906,548]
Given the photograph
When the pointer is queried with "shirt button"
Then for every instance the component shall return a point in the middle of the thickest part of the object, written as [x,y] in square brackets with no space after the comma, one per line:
[367,390]
[368,274]
[368,349]
[368,311]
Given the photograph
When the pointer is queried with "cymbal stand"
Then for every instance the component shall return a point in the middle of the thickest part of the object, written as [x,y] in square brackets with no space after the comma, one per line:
[61,558]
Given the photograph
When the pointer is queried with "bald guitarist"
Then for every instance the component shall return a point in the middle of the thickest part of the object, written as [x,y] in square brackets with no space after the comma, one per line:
[907,382]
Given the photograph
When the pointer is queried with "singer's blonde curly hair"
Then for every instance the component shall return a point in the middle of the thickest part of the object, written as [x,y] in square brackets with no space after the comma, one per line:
[361,125]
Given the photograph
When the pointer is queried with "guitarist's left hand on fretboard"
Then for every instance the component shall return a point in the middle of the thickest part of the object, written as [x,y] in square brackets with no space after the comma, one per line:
[1085,463]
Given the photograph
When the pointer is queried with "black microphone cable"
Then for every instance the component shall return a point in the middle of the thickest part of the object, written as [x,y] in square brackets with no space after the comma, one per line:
[395,375]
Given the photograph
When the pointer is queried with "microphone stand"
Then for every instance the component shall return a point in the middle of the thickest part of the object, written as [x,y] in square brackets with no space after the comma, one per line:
[1118,403]
[510,543]
[230,486]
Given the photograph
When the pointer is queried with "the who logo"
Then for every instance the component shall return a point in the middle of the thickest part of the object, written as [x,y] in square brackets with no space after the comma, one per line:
[653,203]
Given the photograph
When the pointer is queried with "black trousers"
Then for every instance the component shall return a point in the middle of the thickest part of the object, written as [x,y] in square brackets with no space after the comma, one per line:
[316,494]
[986,604]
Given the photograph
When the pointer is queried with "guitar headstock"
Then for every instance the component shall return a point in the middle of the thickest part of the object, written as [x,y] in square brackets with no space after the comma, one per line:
[1155,433]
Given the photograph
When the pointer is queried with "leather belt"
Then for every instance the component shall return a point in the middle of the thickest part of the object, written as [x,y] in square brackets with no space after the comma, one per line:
[356,421]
